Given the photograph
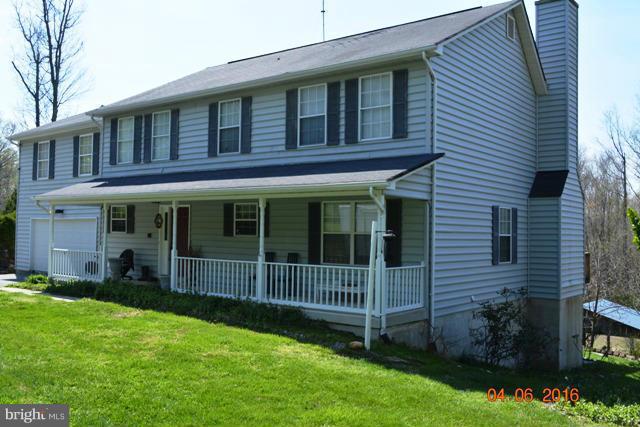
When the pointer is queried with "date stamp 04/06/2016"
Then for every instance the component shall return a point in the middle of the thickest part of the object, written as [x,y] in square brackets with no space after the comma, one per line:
[528,395]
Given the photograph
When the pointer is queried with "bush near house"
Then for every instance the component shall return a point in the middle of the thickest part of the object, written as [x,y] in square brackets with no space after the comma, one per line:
[7,240]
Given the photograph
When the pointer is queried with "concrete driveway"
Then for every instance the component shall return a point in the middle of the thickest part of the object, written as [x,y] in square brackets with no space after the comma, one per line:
[7,279]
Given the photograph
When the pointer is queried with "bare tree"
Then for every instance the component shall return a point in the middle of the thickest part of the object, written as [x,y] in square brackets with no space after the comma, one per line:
[48,67]
[8,162]
[29,65]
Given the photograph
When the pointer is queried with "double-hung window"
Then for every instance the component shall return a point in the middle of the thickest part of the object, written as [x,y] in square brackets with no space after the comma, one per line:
[375,106]
[505,235]
[118,219]
[85,155]
[346,232]
[245,219]
[312,108]
[229,126]
[125,140]
[160,134]
[43,160]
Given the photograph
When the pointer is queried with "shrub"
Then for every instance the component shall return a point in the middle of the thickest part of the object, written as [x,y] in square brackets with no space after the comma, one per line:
[8,235]
[506,334]
[208,308]
[37,279]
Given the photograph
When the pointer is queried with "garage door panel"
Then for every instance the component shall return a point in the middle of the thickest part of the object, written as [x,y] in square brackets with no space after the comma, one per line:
[76,234]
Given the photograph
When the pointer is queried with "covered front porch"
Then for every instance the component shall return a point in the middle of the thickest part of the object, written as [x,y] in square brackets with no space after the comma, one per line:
[308,249]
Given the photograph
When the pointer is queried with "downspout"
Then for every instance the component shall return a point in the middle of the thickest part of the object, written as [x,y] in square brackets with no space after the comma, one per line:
[426,56]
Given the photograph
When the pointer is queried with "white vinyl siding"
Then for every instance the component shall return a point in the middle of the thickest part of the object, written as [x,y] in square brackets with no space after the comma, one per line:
[245,219]
[160,135]
[125,140]
[229,126]
[43,160]
[118,219]
[85,155]
[312,117]
[375,106]
[346,231]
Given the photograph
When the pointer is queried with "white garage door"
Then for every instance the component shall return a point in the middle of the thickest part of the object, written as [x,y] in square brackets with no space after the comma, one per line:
[79,234]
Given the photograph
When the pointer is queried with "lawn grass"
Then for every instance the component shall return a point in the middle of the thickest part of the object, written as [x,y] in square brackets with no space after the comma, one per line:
[116,365]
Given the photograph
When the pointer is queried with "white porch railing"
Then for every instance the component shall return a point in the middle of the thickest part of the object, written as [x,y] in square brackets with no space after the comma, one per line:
[405,288]
[226,278]
[341,288]
[74,264]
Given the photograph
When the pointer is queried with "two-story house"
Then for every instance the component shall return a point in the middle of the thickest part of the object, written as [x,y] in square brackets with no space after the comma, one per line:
[260,178]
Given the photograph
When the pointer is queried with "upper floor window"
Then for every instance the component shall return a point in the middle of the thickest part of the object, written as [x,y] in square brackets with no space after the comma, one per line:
[375,106]
[229,126]
[312,107]
[511,28]
[85,155]
[118,219]
[505,235]
[43,160]
[346,232]
[160,135]
[125,140]
[245,219]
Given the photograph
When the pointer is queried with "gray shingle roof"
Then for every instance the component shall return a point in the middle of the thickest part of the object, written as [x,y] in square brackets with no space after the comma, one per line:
[285,177]
[79,121]
[383,43]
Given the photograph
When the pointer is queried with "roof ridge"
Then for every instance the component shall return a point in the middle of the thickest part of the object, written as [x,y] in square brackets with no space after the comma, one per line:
[353,35]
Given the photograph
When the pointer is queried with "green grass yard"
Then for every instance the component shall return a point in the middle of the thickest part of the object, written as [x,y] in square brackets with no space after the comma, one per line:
[116,365]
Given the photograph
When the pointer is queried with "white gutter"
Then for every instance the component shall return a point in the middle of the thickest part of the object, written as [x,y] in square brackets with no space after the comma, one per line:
[426,56]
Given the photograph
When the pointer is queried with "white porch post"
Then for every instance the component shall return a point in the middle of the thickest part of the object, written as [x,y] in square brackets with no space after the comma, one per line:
[381,266]
[262,204]
[52,215]
[105,229]
[174,244]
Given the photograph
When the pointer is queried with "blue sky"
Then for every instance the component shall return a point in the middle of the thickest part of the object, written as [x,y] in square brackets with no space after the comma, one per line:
[131,45]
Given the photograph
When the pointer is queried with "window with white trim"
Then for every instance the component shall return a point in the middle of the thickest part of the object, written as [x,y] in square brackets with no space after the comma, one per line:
[85,155]
[118,219]
[43,160]
[229,126]
[375,106]
[160,135]
[312,108]
[125,140]
[511,28]
[505,235]
[346,232]
[245,219]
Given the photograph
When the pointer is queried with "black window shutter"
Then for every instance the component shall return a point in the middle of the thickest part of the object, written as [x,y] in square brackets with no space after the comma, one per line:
[394,223]
[76,154]
[245,143]
[113,142]
[333,113]
[495,235]
[95,167]
[175,122]
[228,220]
[351,111]
[400,103]
[108,213]
[267,221]
[146,144]
[52,158]
[34,173]
[291,136]
[131,219]
[514,235]
[137,139]
[314,232]
[213,129]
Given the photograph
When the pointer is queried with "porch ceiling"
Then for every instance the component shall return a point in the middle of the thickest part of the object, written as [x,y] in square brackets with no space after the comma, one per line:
[262,180]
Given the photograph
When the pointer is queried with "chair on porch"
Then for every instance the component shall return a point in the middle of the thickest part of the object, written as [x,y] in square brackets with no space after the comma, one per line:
[292,258]
[127,263]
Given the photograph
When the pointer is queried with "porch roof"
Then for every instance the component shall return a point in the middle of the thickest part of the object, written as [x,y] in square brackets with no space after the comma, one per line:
[285,178]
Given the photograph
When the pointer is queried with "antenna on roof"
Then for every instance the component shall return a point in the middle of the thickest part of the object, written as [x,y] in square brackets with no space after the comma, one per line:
[323,12]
